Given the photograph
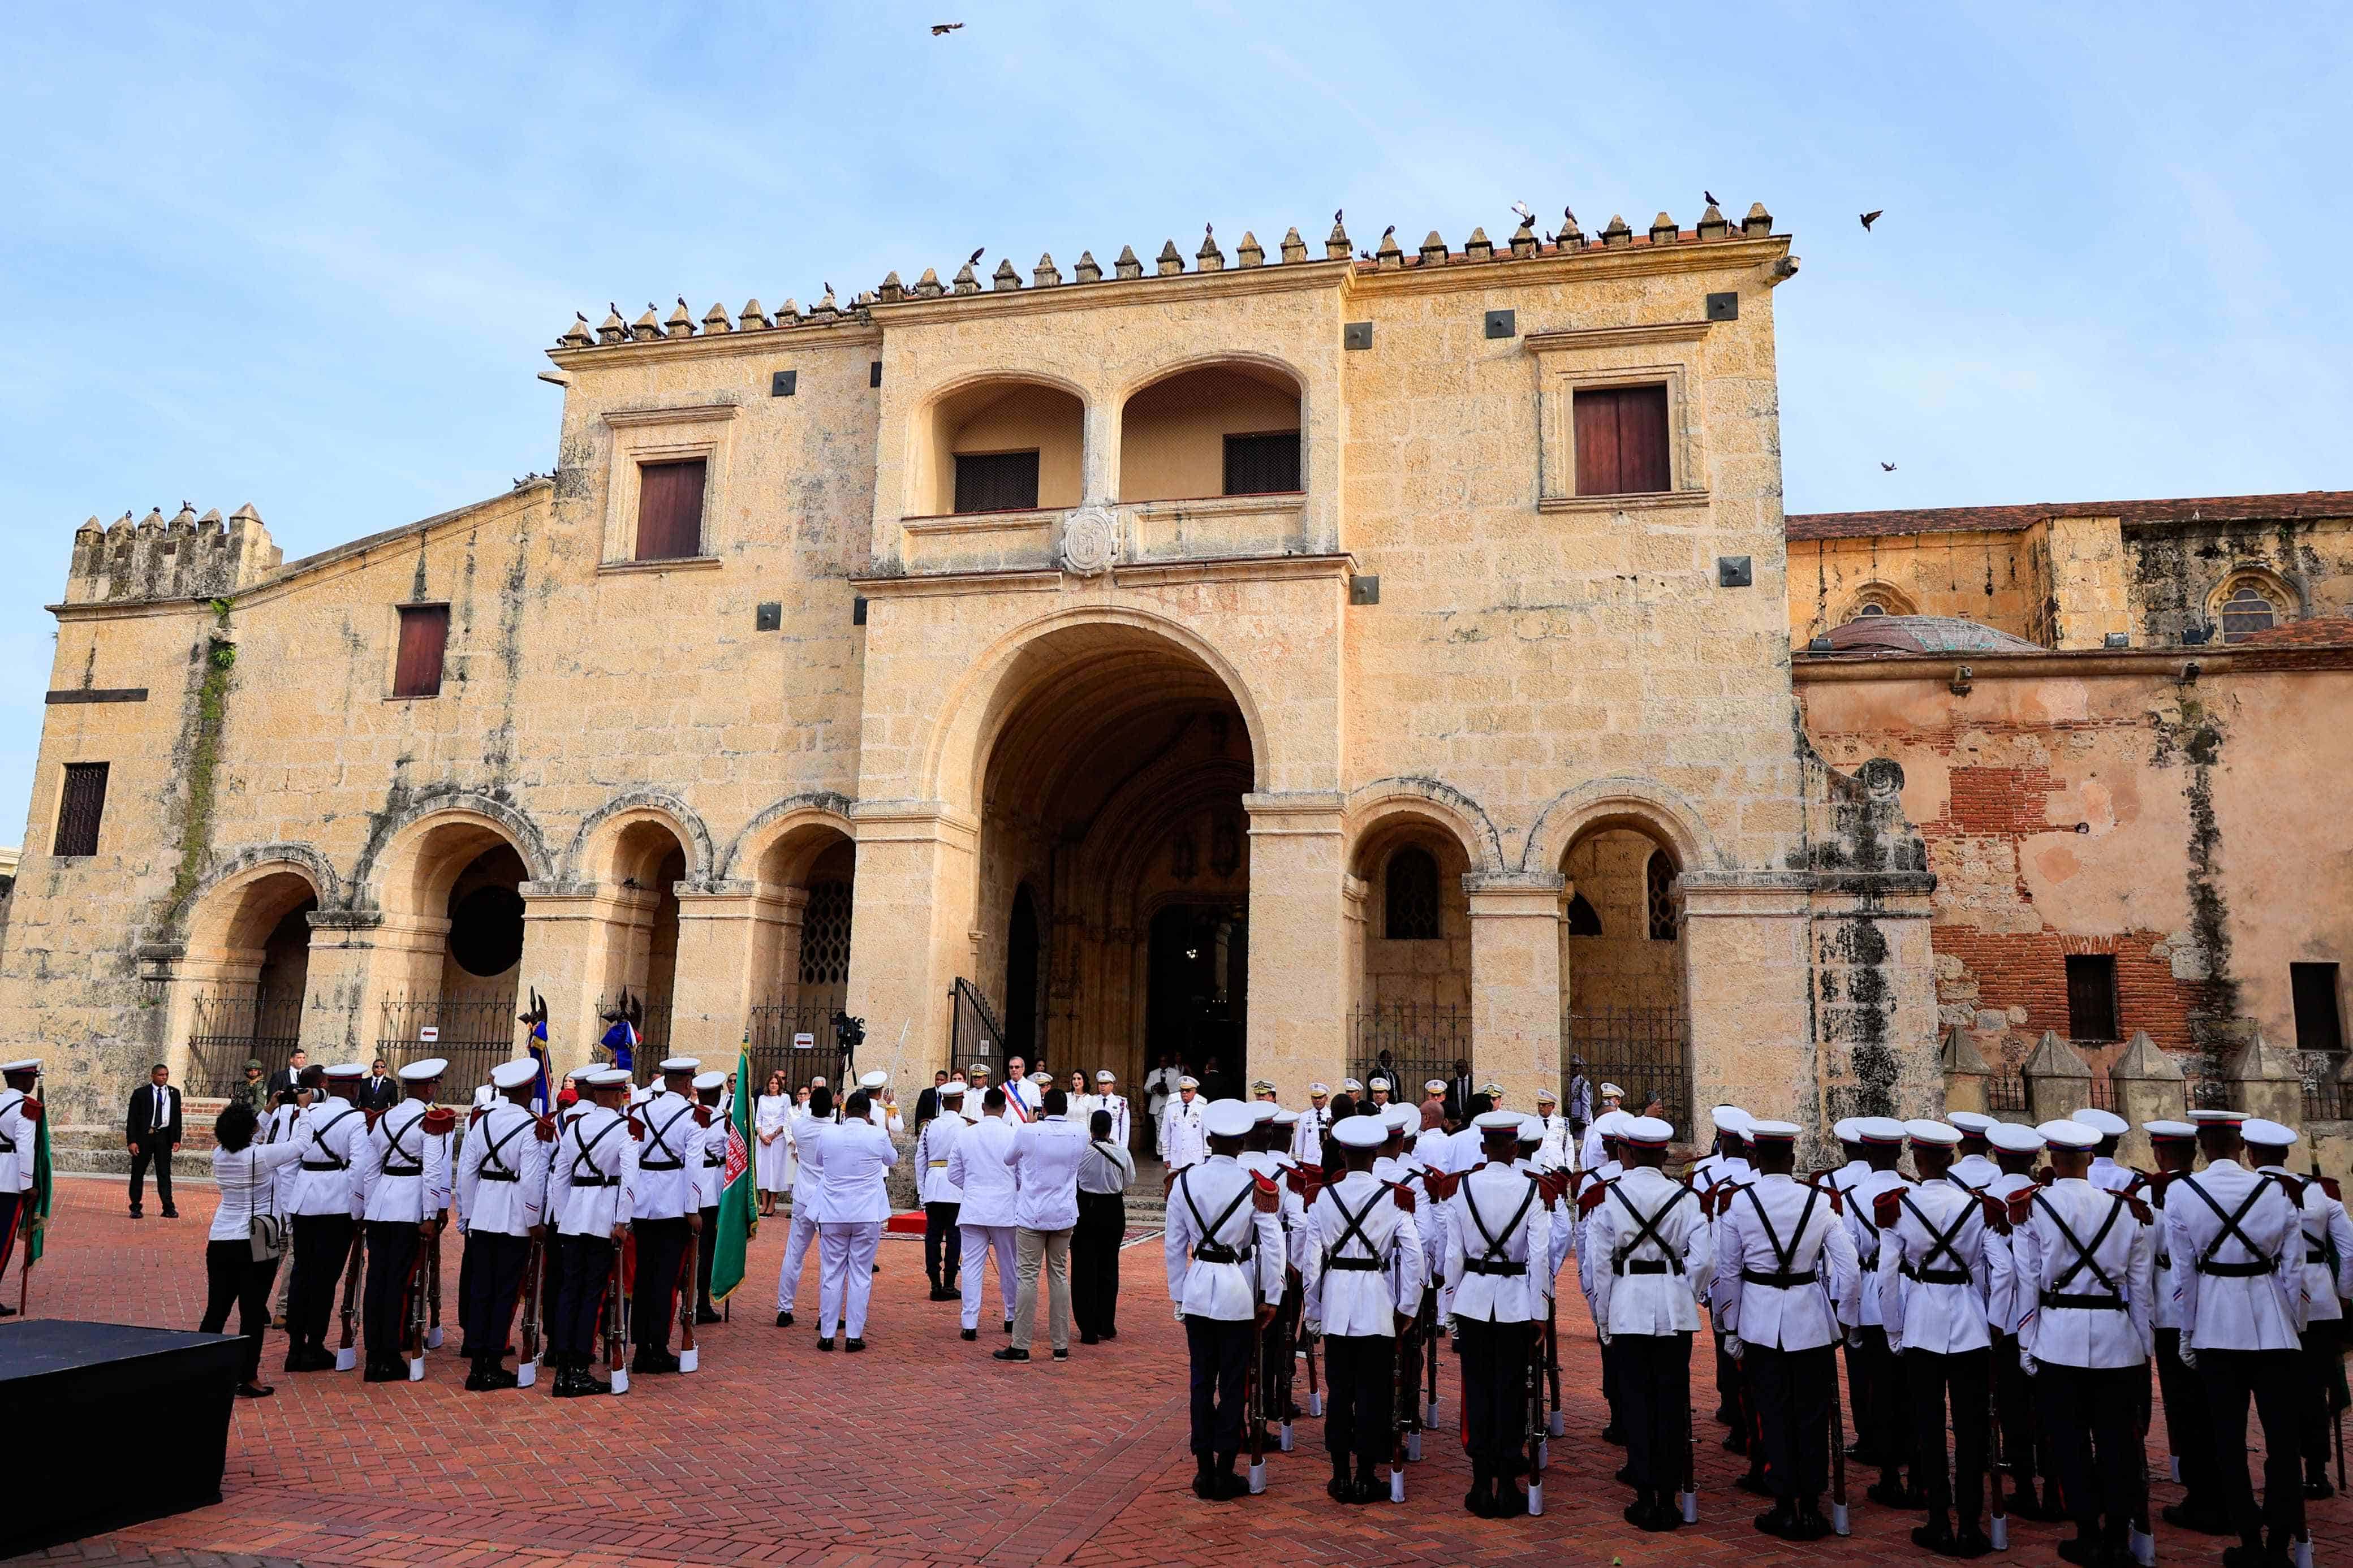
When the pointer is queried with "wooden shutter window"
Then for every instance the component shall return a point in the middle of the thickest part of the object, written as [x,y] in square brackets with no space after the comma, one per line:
[996,481]
[2092,997]
[1621,440]
[424,633]
[2319,1026]
[1261,465]
[669,509]
[82,804]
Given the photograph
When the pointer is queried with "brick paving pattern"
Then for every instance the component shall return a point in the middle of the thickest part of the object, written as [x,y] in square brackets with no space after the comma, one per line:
[923,1451]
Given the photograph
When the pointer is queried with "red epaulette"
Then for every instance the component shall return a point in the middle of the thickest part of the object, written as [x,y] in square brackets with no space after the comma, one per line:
[544,1127]
[2022,1205]
[2329,1184]
[438,1121]
[1887,1207]
[1401,1195]
[702,1116]
[636,1130]
[1593,1197]
[1997,1212]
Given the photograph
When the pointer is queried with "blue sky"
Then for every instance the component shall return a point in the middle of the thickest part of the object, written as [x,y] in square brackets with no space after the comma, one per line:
[309,256]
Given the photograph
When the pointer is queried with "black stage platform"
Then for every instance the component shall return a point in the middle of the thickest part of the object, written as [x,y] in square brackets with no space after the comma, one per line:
[107,1425]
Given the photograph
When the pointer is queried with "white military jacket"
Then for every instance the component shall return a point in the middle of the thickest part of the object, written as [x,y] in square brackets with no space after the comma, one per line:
[2243,1286]
[1498,1240]
[934,1146]
[2327,1252]
[1553,1151]
[1786,1275]
[710,1164]
[2004,1310]
[401,1171]
[2085,1302]
[668,1157]
[322,1182]
[1211,1210]
[978,1168]
[502,1172]
[1863,1230]
[1364,1260]
[1183,1140]
[592,1174]
[1307,1137]
[1653,1253]
[1937,1279]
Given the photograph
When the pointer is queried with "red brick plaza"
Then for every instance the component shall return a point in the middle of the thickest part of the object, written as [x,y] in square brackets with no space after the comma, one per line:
[923,1451]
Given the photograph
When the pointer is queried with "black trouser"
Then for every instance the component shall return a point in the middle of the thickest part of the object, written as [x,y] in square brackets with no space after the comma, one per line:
[1219,1351]
[1274,1354]
[1609,1386]
[1928,1377]
[1858,1396]
[323,1245]
[159,1151]
[1654,1394]
[2313,1389]
[944,1248]
[8,1205]
[231,1276]
[2091,1416]
[1890,1426]
[661,1247]
[1360,1406]
[2271,1377]
[584,1268]
[1094,1261]
[706,1249]
[1792,1391]
[2186,1424]
[392,1246]
[2026,1452]
[491,1279]
[1495,1359]
[1728,1394]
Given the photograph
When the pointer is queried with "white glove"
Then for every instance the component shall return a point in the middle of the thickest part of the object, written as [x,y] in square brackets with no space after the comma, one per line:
[2189,1356]
[1854,1339]
[1894,1345]
[2028,1365]
[1180,1312]
[1604,1337]
[1733,1347]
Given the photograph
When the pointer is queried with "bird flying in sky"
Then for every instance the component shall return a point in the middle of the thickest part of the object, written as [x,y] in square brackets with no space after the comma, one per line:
[942,29]
[1872,218]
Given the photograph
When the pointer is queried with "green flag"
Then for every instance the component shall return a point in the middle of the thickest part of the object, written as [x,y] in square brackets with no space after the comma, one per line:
[738,1215]
[37,1201]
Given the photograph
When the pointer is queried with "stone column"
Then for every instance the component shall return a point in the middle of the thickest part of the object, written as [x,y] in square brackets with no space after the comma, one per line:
[1966,1073]
[718,974]
[1875,989]
[2058,1081]
[2148,1088]
[569,941]
[341,993]
[910,931]
[1745,986]
[1298,934]
[2269,1082]
[1514,983]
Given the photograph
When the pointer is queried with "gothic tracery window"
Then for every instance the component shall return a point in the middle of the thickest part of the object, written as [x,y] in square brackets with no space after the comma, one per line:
[1412,896]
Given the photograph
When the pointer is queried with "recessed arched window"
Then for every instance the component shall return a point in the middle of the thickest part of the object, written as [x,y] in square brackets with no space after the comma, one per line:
[1658,878]
[1870,607]
[825,934]
[2247,611]
[1412,896]
[1583,919]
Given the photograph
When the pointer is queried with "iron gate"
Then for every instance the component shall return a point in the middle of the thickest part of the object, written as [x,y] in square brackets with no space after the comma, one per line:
[477,1030]
[1408,1043]
[233,1025]
[973,1033]
[774,1032]
[1646,1051]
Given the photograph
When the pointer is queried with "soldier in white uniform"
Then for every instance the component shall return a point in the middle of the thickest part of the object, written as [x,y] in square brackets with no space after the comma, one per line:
[1159,1089]
[2082,1260]
[1224,1251]
[1263,1153]
[808,1198]
[322,1202]
[2174,1147]
[1591,1154]
[2028,1457]
[2106,1174]
[1649,1240]
[858,1157]
[1973,1165]
[402,1179]
[666,1217]
[941,1197]
[1307,1138]
[20,1118]
[501,1191]
[2328,1280]
[1935,1283]
[709,1170]
[1786,1276]
[978,1169]
[1889,1435]
[882,1101]
[1363,1283]
[1555,1153]
[1496,1226]
[1107,1097]
[1715,1177]
[590,1179]
[1183,1130]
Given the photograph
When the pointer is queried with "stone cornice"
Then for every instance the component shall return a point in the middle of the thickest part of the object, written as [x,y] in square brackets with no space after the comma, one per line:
[852,333]
[2170,662]
[1576,338]
[1035,580]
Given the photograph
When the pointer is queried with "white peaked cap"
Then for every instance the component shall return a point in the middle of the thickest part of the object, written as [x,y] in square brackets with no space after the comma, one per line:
[2175,1130]
[2269,1134]
[512,1075]
[1229,1118]
[1401,1118]
[1315,1088]
[415,1072]
[951,1091]
[1649,1130]
[1611,1091]
[1879,1130]
[1773,1132]
[711,1081]
[1188,1081]
[2015,1137]
[1922,1131]
[2064,1134]
[1106,1076]
[1286,1117]
[683,1064]
[1498,1122]
[1532,1129]
[347,1069]
[2106,1123]
[1733,1120]
[604,1077]
[1972,1124]
[1262,1109]
[1847,1130]
[1352,1086]
[22,1064]
[874,1079]
[1361,1132]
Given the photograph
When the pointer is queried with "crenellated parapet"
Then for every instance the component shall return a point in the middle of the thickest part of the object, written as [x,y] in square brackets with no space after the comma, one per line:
[182,557]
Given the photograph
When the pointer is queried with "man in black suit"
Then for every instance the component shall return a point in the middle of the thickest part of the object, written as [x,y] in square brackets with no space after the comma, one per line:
[151,1131]
[284,1078]
[927,1104]
[378,1090]
[1459,1090]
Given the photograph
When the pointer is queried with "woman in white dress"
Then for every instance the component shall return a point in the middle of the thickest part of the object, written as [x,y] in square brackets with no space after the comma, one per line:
[772,1173]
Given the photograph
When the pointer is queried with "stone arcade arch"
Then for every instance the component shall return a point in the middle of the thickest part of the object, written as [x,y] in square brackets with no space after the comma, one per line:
[1623,967]
[245,973]
[449,947]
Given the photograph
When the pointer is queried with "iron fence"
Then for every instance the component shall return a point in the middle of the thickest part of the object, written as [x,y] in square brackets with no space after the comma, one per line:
[2324,1099]
[474,1031]
[1407,1043]
[2006,1095]
[1646,1051]
[234,1024]
[973,1033]
[776,1029]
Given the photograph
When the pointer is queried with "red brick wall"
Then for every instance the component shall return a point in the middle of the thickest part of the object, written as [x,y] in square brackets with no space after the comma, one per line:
[2029,970]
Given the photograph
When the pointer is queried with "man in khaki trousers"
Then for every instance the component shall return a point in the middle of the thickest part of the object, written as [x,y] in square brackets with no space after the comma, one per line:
[1045,1158]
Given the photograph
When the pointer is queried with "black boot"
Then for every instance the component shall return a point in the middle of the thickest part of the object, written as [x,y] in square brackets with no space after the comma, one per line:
[1811,1525]
[1480,1498]
[1205,1477]
[1780,1520]
[1342,1487]
[1230,1485]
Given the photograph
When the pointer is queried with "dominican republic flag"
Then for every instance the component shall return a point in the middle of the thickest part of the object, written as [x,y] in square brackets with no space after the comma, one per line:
[621,1039]
[543,1092]
[739,1219]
